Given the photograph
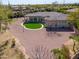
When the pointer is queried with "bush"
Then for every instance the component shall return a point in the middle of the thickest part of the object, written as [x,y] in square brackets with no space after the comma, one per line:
[62,53]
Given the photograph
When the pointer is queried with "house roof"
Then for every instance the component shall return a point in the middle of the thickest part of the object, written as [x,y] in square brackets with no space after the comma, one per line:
[50,15]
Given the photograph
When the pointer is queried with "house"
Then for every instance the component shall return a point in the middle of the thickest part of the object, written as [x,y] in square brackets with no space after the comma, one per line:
[52,20]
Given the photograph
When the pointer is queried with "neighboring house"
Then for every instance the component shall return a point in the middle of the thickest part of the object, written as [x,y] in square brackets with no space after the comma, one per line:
[53,20]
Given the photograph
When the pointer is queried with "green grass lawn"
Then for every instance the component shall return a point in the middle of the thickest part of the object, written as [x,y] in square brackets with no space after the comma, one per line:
[33,25]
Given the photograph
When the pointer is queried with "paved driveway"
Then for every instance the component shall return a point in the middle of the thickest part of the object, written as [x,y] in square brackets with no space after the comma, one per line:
[30,39]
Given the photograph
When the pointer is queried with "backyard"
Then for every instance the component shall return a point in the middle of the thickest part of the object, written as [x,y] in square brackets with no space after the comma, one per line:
[33,39]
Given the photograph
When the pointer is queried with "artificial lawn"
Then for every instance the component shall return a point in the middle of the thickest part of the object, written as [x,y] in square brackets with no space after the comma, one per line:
[33,25]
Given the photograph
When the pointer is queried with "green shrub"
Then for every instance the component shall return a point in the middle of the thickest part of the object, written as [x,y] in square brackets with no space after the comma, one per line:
[62,53]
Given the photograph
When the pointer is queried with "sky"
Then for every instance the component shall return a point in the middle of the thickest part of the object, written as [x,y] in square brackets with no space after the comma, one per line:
[14,2]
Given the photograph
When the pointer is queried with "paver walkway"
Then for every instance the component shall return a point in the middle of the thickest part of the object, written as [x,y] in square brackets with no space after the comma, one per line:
[30,39]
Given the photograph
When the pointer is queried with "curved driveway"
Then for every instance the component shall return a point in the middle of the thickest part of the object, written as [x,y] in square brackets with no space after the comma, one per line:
[30,39]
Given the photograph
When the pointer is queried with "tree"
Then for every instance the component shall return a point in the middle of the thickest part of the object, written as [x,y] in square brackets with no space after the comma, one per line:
[75,39]
[21,11]
[41,52]
[62,53]
[5,14]
[74,17]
